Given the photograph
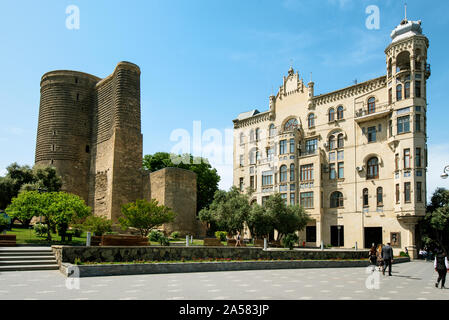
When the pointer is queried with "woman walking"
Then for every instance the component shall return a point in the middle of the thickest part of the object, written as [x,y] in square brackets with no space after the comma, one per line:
[238,242]
[380,261]
[373,257]
[441,266]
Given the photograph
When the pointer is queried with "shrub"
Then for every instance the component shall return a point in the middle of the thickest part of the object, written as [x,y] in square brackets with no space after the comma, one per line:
[77,232]
[77,261]
[40,229]
[4,223]
[163,240]
[98,225]
[403,254]
[221,235]
[175,234]
[289,240]
[155,235]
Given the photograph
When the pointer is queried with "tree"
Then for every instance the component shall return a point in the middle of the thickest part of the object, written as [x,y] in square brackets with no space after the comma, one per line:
[259,222]
[23,178]
[145,215]
[286,218]
[435,225]
[58,208]
[207,177]
[228,211]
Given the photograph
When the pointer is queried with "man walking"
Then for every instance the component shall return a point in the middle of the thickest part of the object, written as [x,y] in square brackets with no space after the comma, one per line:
[441,266]
[387,256]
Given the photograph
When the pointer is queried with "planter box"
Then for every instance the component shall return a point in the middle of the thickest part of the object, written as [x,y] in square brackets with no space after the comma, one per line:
[7,240]
[232,242]
[123,240]
[212,242]
[258,243]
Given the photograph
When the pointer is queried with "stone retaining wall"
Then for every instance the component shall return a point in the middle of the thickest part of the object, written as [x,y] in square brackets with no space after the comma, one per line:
[149,253]
[157,268]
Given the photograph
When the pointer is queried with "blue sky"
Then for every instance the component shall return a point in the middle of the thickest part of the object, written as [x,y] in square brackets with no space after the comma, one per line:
[208,60]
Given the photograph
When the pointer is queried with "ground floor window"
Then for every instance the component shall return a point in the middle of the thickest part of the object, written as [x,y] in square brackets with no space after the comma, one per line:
[311,234]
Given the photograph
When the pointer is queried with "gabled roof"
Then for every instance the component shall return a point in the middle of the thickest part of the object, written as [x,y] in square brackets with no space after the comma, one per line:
[248,114]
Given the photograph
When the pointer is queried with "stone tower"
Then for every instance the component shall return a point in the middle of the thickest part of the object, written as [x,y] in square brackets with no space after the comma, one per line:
[90,130]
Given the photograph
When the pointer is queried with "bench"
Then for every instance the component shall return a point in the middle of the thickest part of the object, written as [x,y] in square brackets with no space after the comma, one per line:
[212,242]
[123,240]
[7,240]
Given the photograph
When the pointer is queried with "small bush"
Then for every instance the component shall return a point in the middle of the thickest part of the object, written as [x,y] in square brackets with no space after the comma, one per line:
[40,229]
[289,240]
[221,235]
[77,261]
[77,232]
[155,235]
[163,240]
[175,234]
[98,225]
[403,254]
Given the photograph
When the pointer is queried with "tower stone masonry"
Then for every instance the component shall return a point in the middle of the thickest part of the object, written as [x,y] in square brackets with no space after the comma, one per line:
[89,129]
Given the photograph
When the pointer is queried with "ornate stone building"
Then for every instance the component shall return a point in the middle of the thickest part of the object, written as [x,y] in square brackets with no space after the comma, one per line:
[355,158]
[89,129]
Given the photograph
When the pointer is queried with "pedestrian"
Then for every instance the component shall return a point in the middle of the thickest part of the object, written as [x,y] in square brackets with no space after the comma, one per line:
[373,257]
[406,251]
[238,242]
[441,266]
[387,256]
[380,261]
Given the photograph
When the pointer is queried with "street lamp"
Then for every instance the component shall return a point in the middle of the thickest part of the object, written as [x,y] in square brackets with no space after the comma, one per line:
[445,172]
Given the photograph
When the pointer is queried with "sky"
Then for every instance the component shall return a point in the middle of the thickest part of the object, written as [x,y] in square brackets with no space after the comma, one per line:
[205,61]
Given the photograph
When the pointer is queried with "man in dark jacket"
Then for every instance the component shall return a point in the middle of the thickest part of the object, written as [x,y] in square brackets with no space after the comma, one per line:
[387,256]
[441,266]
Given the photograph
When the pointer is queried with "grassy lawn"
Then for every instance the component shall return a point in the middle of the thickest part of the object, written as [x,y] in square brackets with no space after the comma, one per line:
[27,236]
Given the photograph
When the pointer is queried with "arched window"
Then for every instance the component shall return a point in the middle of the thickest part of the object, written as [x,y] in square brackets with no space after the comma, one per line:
[332,142]
[372,168]
[291,125]
[399,92]
[292,172]
[242,138]
[336,199]
[251,135]
[272,130]
[257,155]
[371,105]
[407,90]
[311,120]
[379,196]
[340,142]
[331,114]
[257,134]
[252,156]
[283,173]
[340,112]
[390,68]
[365,197]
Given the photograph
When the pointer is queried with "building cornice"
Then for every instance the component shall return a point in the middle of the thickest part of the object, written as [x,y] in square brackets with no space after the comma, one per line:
[260,117]
[347,92]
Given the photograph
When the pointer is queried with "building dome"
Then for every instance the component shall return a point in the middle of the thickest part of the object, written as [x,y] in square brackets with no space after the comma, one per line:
[406,29]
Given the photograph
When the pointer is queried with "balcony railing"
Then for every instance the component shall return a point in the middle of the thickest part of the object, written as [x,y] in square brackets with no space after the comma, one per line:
[378,111]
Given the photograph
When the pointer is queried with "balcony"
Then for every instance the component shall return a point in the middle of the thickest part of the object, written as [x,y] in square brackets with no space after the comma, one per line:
[307,153]
[380,111]
[428,71]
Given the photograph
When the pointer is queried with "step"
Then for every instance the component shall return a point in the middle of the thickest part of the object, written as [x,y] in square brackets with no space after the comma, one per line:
[25,253]
[12,258]
[28,262]
[28,268]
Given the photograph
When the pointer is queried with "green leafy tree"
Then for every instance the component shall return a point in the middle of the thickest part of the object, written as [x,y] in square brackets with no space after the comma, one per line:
[207,177]
[145,215]
[260,223]
[286,218]
[228,211]
[59,209]
[23,178]
[435,225]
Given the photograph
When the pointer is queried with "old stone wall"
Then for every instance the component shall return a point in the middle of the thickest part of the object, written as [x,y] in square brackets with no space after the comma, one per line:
[176,188]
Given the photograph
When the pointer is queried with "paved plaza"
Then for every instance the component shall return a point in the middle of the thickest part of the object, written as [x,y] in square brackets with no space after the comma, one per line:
[413,280]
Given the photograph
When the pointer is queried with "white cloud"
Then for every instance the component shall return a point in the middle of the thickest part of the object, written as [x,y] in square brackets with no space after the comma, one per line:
[225,172]
[438,157]
[3,172]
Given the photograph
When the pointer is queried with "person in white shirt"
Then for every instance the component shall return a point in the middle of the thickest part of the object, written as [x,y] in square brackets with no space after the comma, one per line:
[441,266]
